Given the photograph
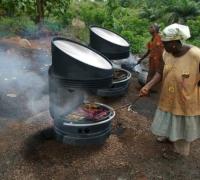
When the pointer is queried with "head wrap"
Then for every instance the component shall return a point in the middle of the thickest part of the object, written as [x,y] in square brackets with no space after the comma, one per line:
[156,27]
[175,32]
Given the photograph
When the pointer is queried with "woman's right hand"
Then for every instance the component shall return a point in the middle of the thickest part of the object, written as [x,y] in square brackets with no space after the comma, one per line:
[144,91]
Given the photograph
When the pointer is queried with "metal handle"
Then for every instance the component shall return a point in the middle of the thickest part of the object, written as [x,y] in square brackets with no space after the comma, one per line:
[129,104]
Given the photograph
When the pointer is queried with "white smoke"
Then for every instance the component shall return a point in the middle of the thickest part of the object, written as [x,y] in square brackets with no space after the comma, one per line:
[18,79]
[64,100]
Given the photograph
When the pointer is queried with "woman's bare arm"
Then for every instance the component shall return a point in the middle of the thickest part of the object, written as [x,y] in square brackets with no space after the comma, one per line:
[144,56]
[155,80]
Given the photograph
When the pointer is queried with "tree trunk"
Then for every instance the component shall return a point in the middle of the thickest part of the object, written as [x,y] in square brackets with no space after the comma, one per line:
[40,10]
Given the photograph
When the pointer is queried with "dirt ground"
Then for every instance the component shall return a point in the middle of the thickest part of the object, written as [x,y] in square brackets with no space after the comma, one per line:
[27,153]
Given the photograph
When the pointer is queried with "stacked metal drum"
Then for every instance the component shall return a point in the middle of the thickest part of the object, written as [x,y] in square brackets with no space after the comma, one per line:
[114,47]
[75,69]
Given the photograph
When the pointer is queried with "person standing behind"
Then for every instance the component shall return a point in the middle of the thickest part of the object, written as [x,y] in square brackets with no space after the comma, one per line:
[154,52]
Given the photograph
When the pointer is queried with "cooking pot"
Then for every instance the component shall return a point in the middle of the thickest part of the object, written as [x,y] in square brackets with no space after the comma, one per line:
[118,88]
[83,133]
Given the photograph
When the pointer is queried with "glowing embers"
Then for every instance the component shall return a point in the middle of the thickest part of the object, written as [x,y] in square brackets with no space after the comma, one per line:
[89,113]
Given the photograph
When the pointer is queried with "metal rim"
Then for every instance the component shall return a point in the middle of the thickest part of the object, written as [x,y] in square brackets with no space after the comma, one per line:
[80,44]
[93,26]
[93,124]
[128,76]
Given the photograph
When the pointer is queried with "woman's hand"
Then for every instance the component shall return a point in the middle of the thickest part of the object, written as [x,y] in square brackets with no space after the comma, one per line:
[144,91]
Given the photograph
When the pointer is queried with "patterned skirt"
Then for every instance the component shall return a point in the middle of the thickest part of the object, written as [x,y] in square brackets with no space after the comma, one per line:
[176,127]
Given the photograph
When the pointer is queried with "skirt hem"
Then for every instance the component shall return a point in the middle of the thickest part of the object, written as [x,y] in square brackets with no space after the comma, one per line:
[156,133]
[176,127]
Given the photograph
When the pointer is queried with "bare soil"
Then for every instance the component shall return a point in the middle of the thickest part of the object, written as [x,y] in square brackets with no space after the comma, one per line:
[28,149]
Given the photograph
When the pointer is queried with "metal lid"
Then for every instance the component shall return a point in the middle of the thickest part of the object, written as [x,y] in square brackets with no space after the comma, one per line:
[82,54]
[110,44]
[77,64]
[109,36]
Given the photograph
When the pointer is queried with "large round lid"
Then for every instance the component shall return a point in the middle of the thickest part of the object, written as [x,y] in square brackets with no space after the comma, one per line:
[78,64]
[110,44]
[82,54]
[110,36]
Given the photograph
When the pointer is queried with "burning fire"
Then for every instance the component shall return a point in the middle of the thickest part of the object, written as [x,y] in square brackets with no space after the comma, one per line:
[89,111]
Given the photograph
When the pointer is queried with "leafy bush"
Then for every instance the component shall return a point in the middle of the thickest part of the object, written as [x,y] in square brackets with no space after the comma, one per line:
[137,42]
[131,27]
[52,24]
[16,25]
[128,18]
[124,21]
[195,29]
[92,13]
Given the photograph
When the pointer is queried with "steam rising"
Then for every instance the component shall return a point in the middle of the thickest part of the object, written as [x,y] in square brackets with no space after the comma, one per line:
[22,84]
[63,101]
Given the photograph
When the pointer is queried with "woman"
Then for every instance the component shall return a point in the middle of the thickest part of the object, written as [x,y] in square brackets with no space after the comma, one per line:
[155,49]
[178,114]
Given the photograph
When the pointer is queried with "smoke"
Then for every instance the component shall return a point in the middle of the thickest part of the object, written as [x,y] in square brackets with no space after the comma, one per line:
[131,60]
[64,100]
[23,80]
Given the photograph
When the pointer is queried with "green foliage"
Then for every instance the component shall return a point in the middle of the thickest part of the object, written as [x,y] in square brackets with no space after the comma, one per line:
[8,7]
[130,26]
[170,11]
[18,7]
[182,10]
[125,3]
[92,13]
[59,9]
[52,24]
[136,41]
[129,18]
[110,7]
[17,25]
[150,13]
[56,8]
[66,18]
[195,29]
